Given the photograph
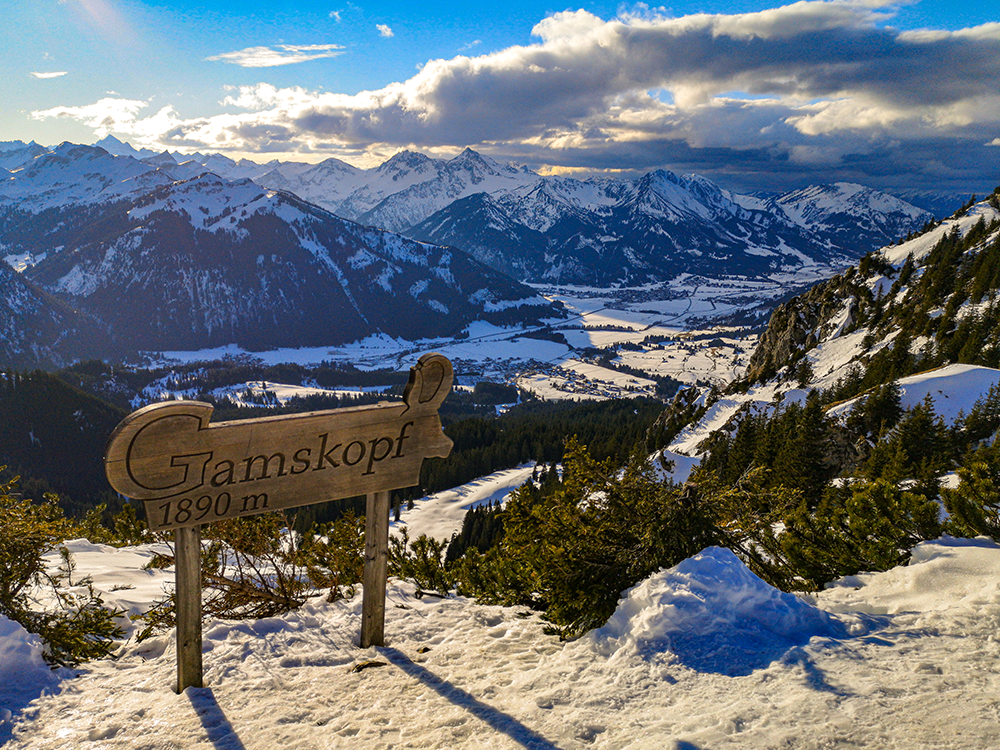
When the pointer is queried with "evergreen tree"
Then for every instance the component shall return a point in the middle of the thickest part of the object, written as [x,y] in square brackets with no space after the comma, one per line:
[865,526]
[924,437]
[974,506]
[799,463]
[877,412]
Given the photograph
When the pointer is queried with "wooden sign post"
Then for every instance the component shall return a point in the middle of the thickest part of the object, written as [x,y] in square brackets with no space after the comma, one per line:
[375,575]
[189,472]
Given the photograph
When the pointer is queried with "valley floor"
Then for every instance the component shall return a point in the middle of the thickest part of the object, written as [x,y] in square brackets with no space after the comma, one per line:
[681,330]
[703,656]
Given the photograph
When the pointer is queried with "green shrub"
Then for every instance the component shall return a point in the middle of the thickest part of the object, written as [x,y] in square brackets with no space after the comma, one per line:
[76,626]
[572,551]
[420,561]
[974,506]
[866,526]
[334,555]
[255,566]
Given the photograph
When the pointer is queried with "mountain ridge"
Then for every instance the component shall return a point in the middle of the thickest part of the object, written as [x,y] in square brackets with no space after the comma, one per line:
[600,230]
[211,261]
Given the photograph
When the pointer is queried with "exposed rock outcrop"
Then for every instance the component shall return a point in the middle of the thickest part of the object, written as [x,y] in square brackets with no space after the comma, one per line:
[827,310]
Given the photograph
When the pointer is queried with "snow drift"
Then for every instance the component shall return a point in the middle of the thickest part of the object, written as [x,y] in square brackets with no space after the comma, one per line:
[712,614]
[24,675]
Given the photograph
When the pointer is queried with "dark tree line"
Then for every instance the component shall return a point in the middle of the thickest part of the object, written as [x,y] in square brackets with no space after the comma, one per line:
[54,437]
[537,431]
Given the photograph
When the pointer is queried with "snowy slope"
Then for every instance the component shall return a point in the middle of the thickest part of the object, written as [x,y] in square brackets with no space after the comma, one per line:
[954,389]
[117,147]
[920,246]
[820,326]
[440,515]
[703,655]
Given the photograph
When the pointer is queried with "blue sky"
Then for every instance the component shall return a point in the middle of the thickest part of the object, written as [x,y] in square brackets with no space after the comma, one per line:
[756,95]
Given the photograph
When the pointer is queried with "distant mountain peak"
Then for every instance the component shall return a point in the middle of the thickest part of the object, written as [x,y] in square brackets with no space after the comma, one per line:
[405,159]
[109,142]
[162,159]
[475,161]
[334,164]
[117,147]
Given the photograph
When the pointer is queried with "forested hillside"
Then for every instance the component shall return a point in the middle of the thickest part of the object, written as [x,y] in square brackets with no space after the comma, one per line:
[864,426]
[53,437]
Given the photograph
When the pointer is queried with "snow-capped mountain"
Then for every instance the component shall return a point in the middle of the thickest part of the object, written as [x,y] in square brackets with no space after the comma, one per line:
[317,183]
[849,213]
[169,263]
[71,175]
[15,154]
[403,171]
[634,232]
[467,174]
[598,230]
[403,190]
[117,147]
[483,225]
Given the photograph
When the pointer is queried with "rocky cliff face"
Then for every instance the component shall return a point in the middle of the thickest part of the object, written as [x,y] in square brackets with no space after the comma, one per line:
[826,311]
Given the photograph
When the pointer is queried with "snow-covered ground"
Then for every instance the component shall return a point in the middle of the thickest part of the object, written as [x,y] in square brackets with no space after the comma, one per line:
[249,393]
[440,515]
[700,656]
[954,390]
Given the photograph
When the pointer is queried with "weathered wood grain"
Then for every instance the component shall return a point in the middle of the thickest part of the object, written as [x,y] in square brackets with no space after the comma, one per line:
[188,597]
[189,471]
[376,570]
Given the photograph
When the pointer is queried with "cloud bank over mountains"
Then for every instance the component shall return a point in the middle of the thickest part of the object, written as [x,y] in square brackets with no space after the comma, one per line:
[781,94]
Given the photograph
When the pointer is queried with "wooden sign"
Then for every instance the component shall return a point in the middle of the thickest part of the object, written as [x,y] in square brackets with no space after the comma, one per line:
[189,472]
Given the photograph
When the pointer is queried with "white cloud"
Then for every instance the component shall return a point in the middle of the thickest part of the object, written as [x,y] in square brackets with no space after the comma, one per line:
[335,15]
[281,54]
[384,30]
[265,95]
[103,116]
[568,25]
[43,76]
[820,80]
